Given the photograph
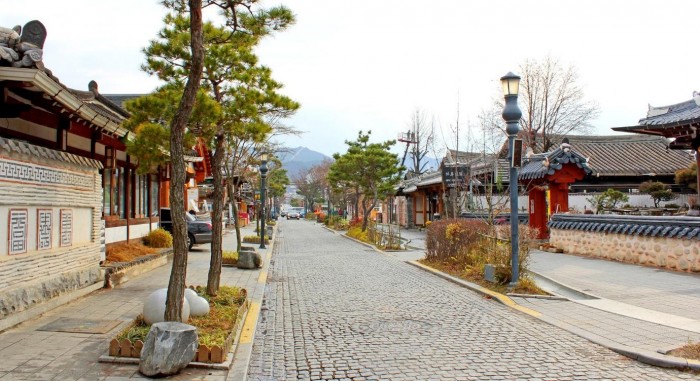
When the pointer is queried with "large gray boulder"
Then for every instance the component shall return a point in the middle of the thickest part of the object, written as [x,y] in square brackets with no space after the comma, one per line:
[249,260]
[168,348]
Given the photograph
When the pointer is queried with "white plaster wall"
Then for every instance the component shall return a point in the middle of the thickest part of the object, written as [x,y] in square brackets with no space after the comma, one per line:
[115,234]
[580,200]
[502,202]
[33,129]
[138,231]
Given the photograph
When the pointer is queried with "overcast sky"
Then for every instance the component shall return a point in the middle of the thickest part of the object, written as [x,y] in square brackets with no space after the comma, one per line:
[368,64]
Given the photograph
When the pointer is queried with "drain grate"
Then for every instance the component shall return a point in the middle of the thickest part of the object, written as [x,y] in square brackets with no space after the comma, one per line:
[80,325]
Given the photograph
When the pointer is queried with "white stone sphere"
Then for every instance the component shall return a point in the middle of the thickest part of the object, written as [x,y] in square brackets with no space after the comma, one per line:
[154,307]
[198,305]
[190,295]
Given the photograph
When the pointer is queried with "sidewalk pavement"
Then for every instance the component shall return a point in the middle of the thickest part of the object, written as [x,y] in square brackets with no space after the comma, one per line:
[641,312]
[32,350]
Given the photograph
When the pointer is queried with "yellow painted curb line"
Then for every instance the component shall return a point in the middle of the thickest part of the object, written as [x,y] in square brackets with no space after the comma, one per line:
[250,321]
[503,299]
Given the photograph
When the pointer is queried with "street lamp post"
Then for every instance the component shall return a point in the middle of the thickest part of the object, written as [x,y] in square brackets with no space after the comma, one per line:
[328,201]
[511,114]
[263,173]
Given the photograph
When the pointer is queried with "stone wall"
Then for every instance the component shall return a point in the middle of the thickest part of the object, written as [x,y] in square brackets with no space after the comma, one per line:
[670,243]
[671,253]
[51,204]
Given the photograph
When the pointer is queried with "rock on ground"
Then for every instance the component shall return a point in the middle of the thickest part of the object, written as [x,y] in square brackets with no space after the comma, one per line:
[168,348]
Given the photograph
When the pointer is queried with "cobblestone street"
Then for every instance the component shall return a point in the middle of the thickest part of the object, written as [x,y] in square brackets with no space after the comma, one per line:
[337,310]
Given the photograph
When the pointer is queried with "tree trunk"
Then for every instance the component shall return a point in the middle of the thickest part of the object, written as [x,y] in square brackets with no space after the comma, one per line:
[214,277]
[178,274]
[355,212]
[366,210]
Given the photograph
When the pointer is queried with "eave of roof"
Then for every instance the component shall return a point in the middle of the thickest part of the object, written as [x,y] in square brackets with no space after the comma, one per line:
[61,94]
[535,168]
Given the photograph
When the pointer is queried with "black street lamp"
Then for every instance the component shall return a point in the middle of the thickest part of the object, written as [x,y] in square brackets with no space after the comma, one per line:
[511,114]
[328,202]
[263,173]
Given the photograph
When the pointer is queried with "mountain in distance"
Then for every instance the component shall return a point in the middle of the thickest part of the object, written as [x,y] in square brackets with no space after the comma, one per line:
[431,163]
[300,159]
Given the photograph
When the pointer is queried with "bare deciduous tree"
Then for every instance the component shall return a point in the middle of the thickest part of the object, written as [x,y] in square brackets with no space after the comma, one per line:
[553,103]
[421,134]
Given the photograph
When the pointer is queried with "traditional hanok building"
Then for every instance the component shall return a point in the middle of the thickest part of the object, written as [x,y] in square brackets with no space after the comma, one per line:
[67,186]
[421,197]
[679,123]
[623,162]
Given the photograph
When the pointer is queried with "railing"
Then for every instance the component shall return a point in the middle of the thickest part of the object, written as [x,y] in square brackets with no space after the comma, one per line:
[387,236]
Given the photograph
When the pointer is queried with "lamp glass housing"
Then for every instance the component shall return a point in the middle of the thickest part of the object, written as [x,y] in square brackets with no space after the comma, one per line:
[511,84]
[263,157]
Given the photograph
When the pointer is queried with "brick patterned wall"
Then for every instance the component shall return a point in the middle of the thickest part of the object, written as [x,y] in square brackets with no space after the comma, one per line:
[38,275]
[679,254]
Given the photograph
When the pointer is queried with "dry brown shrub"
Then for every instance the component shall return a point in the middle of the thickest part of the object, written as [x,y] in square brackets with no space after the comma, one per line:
[127,252]
[466,246]
[453,238]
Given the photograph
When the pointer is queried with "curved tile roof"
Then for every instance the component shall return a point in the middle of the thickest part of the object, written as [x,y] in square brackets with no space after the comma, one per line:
[541,165]
[683,112]
[629,155]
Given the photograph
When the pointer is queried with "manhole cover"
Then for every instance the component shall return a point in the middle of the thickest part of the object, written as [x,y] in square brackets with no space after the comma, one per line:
[80,325]
[397,326]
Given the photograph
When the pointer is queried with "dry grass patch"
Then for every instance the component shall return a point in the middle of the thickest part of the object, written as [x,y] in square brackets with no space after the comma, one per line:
[525,285]
[127,252]
[688,351]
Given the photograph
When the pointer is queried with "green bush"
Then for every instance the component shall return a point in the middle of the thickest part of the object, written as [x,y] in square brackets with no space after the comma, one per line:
[657,190]
[158,238]
[607,200]
[337,223]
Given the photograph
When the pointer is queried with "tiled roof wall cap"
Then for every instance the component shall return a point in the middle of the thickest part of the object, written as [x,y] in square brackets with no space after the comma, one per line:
[41,152]
[655,226]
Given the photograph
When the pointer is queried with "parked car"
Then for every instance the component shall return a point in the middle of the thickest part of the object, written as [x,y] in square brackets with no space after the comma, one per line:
[283,213]
[198,231]
[293,214]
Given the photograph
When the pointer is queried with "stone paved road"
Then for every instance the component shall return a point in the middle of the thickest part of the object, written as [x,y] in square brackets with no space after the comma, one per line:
[337,310]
